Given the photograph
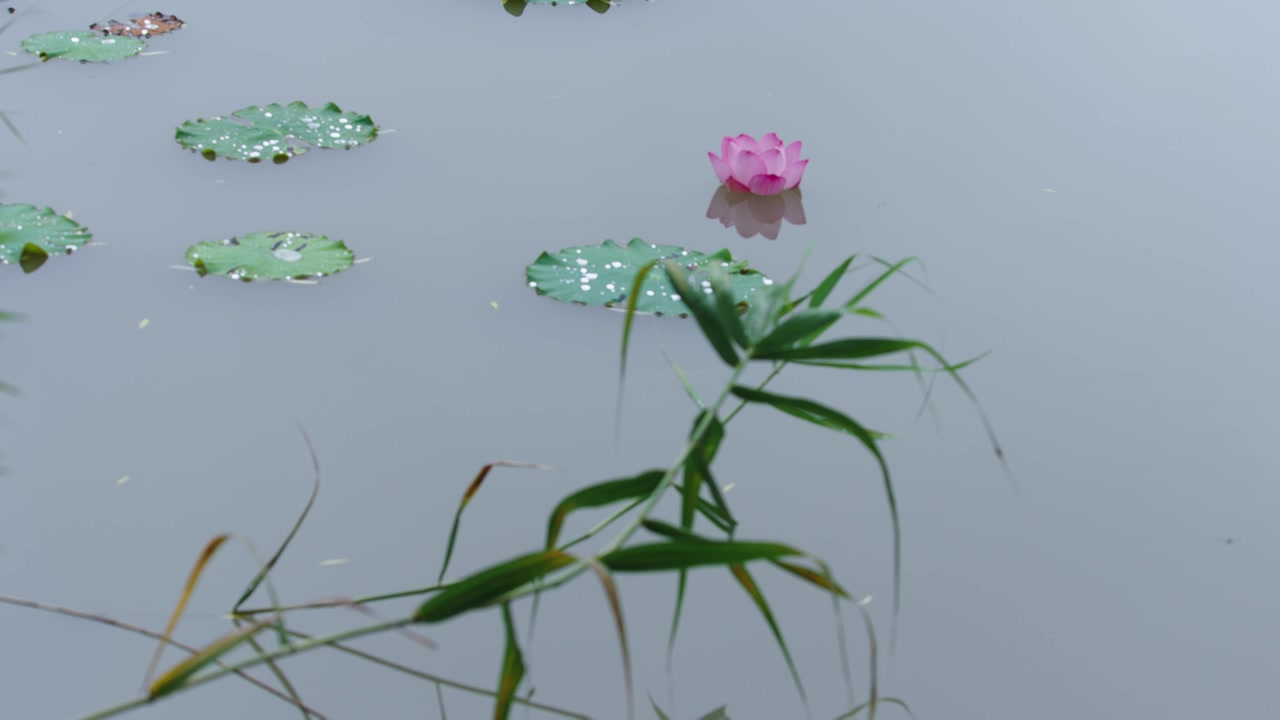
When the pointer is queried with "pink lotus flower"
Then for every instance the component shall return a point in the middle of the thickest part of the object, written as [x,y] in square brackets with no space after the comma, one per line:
[759,168]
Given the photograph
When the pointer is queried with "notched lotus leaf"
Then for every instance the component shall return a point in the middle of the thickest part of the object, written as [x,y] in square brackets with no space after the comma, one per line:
[28,235]
[271,256]
[275,132]
[82,46]
[602,275]
[143,26]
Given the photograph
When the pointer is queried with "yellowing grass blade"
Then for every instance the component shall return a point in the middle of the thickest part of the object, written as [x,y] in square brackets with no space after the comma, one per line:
[179,673]
[471,491]
[205,556]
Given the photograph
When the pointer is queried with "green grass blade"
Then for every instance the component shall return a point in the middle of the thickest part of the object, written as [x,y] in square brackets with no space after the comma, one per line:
[846,349]
[471,491]
[867,705]
[719,713]
[823,291]
[315,492]
[706,315]
[824,416]
[605,493]
[894,269]
[726,308]
[627,322]
[512,669]
[697,468]
[753,591]
[682,554]
[481,588]
[801,328]
[657,710]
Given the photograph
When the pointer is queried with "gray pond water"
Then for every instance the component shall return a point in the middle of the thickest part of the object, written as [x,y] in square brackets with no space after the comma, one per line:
[1090,185]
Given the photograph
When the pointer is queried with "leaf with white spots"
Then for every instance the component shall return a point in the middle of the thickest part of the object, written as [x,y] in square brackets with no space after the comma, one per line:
[82,46]
[602,275]
[275,132]
[271,256]
[28,235]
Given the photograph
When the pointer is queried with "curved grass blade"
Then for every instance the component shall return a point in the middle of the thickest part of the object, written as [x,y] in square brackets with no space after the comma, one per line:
[615,606]
[478,590]
[472,489]
[180,673]
[201,562]
[627,322]
[708,317]
[748,584]
[883,701]
[657,710]
[719,713]
[682,554]
[828,284]
[315,492]
[722,292]
[824,416]
[512,669]
[605,493]
[813,577]
[894,269]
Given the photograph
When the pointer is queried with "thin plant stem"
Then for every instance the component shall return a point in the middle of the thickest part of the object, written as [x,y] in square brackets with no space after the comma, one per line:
[35,605]
[285,651]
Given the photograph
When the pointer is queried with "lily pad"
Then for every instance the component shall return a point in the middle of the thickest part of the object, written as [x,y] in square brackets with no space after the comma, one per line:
[275,131]
[82,46]
[271,256]
[516,7]
[602,275]
[28,235]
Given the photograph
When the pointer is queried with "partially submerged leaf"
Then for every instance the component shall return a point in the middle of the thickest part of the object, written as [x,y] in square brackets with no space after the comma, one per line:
[27,231]
[143,26]
[275,132]
[604,275]
[271,256]
[82,46]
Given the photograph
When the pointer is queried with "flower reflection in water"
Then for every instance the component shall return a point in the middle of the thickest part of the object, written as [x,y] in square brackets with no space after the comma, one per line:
[753,215]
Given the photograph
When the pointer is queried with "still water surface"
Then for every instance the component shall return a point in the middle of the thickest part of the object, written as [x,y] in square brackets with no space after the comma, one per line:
[1090,185]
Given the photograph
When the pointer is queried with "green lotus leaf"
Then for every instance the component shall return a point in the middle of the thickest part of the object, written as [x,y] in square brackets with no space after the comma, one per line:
[82,46]
[28,235]
[271,256]
[602,275]
[516,7]
[274,131]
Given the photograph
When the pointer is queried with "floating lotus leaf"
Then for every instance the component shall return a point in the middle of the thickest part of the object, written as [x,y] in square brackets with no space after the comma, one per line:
[28,235]
[82,46]
[271,256]
[602,275]
[516,7]
[277,132]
